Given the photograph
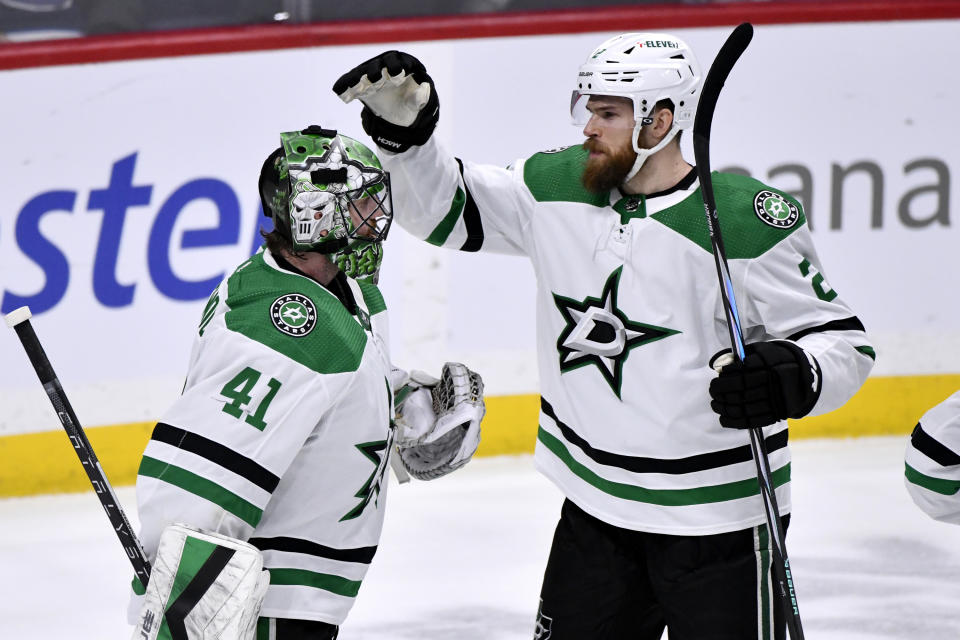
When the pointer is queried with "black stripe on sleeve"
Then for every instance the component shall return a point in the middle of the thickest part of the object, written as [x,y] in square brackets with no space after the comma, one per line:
[362,555]
[674,466]
[217,454]
[847,324]
[932,448]
[194,591]
[471,217]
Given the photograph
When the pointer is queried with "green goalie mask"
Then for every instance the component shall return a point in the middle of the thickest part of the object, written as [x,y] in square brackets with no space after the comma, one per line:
[328,193]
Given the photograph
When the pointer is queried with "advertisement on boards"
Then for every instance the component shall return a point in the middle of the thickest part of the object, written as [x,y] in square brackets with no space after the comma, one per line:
[129,191]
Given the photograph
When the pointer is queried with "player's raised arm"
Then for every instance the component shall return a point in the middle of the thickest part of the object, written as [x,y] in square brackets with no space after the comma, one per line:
[445,200]
[400,104]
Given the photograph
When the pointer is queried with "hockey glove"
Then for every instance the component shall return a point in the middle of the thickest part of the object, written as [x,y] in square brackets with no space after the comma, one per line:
[400,104]
[438,421]
[775,381]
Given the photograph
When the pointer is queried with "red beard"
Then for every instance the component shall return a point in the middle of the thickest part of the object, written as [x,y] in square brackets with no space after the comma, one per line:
[608,170]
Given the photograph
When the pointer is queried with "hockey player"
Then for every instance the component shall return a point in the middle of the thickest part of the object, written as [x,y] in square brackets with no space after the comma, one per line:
[274,457]
[932,462]
[662,526]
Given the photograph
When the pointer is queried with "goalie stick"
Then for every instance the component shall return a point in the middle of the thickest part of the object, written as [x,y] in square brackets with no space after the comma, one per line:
[729,53]
[19,321]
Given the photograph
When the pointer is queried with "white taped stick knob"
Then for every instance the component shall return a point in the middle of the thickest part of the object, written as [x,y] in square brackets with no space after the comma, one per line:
[17,316]
[722,361]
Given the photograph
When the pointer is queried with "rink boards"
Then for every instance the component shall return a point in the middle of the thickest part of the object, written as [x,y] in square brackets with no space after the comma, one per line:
[129,191]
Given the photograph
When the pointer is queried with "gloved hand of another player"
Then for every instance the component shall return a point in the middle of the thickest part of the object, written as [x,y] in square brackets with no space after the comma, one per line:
[438,421]
[401,107]
[775,381]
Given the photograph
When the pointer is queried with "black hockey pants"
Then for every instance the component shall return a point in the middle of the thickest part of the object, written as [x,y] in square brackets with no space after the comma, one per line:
[289,629]
[607,583]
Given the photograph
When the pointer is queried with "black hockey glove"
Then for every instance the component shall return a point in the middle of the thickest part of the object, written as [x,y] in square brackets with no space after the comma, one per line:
[775,381]
[400,104]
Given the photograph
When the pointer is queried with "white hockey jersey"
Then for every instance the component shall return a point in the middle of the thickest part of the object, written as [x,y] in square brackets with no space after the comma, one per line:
[629,313]
[932,464]
[281,435]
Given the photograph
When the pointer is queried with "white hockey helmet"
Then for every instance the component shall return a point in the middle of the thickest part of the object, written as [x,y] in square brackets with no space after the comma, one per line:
[646,68]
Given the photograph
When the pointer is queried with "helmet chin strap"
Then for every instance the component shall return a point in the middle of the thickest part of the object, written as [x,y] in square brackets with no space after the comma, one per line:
[643,154]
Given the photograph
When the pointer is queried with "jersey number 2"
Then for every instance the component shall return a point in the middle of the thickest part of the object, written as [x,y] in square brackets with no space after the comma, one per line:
[239,389]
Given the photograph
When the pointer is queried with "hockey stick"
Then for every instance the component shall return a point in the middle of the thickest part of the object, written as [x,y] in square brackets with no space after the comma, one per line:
[19,321]
[729,53]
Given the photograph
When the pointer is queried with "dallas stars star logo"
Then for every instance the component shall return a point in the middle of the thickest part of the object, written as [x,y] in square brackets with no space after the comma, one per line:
[376,452]
[599,333]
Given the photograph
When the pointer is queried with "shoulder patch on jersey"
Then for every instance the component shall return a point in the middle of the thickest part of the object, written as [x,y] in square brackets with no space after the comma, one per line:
[745,236]
[294,314]
[554,176]
[775,210]
[307,323]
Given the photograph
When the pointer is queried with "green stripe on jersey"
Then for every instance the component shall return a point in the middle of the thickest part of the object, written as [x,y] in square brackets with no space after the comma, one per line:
[210,309]
[554,176]
[303,578]
[443,230]
[745,235]
[663,497]
[372,297]
[263,629]
[336,342]
[763,581]
[868,351]
[202,487]
[937,485]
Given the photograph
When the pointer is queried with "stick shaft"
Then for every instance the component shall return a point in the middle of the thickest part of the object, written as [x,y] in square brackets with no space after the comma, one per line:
[91,465]
[730,52]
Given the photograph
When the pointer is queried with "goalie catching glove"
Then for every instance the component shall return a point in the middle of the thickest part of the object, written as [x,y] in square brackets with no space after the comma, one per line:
[400,104]
[203,586]
[438,421]
[776,380]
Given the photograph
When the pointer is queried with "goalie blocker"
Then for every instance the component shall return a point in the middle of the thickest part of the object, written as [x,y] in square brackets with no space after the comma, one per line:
[438,420]
[203,585]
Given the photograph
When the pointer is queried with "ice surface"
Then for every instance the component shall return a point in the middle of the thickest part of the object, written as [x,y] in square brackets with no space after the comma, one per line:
[462,557]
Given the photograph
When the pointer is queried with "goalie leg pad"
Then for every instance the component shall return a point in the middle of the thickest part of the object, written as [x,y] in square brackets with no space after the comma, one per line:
[203,586]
